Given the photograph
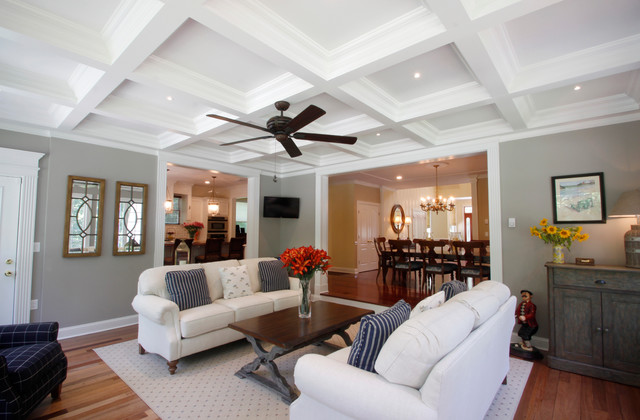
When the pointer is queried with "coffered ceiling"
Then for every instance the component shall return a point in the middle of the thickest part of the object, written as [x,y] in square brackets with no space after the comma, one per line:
[400,75]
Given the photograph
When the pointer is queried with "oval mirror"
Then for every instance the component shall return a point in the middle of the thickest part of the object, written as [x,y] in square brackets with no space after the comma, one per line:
[397,218]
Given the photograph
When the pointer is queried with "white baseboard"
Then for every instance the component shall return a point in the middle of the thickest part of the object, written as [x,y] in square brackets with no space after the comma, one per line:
[94,327]
[540,343]
[348,270]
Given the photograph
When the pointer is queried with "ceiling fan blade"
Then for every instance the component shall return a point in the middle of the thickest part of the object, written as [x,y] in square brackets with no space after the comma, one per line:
[245,140]
[290,147]
[310,114]
[246,124]
[326,137]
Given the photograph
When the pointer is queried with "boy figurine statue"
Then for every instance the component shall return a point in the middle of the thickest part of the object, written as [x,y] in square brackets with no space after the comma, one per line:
[526,317]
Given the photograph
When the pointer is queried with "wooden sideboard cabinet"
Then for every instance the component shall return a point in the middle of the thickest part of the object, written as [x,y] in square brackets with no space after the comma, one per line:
[594,314]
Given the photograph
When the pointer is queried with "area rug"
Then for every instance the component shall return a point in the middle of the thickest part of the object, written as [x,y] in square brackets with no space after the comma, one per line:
[205,387]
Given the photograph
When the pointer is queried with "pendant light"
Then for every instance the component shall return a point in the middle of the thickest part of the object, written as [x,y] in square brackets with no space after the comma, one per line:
[213,206]
[168,203]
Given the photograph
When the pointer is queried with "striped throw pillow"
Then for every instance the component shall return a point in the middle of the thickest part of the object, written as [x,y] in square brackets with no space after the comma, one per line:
[452,288]
[188,288]
[273,276]
[374,331]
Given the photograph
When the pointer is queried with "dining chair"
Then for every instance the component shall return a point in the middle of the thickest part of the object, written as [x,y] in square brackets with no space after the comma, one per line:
[434,261]
[171,258]
[401,260]
[384,257]
[236,248]
[472,260]
[212,251]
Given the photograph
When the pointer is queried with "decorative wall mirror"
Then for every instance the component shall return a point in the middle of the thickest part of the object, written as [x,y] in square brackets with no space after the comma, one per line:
[129,233]
[83,223]
[397,219]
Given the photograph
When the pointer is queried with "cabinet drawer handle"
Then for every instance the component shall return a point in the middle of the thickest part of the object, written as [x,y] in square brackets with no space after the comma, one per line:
[601,282]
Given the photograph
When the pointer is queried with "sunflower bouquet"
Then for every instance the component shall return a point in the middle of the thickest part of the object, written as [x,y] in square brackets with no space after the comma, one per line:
[558,236]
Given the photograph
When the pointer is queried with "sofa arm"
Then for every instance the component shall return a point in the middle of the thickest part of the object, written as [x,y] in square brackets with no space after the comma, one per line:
[155,308]
[355,392]
[294,283]
[25,334]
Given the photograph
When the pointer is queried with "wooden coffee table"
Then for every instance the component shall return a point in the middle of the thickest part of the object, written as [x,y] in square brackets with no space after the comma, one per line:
[287,332]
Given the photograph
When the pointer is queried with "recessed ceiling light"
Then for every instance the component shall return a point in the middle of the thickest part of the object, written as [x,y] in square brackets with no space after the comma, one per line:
[378,134]
[169,98]
[577,87]
[207,182]
[399,177]
[416,75]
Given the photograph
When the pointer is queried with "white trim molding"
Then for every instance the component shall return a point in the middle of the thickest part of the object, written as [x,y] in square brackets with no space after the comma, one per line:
[23,165]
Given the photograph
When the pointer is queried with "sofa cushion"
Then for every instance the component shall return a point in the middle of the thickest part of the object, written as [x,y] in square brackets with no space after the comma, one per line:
[188,288]
[212,271]
[499,290]
[416,346]
[483,304]
[248,306]
[204,319]
[452,288]
[374,331]
[235,282]
[273,276]
[152,280]
[252,269]
[431,302]
[283,299]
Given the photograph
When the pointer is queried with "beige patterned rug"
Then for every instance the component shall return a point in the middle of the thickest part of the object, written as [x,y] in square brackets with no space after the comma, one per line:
[205,387]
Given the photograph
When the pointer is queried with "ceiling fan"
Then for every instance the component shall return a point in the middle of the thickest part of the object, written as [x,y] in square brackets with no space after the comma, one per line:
[284,128]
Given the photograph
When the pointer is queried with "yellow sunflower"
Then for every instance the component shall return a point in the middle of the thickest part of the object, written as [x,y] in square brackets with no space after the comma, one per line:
[544,222]
[552,230]
[564,233]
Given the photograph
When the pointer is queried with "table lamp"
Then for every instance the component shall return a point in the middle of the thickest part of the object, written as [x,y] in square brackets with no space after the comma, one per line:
[628,205]
[407,223]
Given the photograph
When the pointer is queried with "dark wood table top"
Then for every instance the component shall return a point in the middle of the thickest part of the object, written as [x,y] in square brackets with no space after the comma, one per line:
[286,330]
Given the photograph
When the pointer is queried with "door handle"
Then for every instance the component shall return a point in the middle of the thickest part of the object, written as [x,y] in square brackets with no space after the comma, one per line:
[8,273]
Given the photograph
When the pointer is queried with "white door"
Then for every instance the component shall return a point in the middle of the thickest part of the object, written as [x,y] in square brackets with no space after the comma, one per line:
[9,207]
[368,222]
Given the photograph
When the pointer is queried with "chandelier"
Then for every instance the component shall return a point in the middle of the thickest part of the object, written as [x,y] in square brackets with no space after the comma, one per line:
[213,206]
[437,203]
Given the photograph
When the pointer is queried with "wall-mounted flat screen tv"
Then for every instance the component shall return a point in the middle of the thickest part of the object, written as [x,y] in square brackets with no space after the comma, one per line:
[288,207]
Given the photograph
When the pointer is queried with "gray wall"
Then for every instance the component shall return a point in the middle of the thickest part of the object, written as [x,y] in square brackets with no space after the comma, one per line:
[526,168]
[276,235]
[76,291]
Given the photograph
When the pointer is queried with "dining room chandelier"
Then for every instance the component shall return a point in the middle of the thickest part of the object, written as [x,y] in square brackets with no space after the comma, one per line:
[213,206]
[437,203]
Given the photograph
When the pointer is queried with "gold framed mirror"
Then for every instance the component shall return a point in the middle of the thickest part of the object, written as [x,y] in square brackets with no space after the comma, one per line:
[397,219]
[83,222]
[130,226]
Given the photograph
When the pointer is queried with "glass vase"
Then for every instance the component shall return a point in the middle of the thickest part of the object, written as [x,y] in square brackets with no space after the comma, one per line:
[558,254]
[304,310]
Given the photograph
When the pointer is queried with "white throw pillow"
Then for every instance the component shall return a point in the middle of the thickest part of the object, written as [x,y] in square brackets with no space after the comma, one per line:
[431,302]
[413,349]
[235,282]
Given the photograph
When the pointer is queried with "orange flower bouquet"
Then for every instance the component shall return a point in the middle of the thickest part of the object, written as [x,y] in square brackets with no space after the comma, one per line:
[304,262]
[192,228]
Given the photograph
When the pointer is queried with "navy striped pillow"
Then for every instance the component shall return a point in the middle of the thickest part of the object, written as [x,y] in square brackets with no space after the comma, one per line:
[273,276]
[452,288]
[188,288]
[374,331]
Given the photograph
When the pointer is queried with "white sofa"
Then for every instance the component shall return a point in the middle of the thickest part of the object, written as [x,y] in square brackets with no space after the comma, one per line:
[171,333]
[444,363]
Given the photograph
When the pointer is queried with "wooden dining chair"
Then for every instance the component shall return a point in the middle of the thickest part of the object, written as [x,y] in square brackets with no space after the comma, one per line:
[471,257]
[384,257]
[171,258]
[212,250]
[434,261]
[401,261]
[236,248]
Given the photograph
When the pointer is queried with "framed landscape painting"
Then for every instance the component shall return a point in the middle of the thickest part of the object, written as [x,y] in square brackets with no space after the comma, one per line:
[578,198]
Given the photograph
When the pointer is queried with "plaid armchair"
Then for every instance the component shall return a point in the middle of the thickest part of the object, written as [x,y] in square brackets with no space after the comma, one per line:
[32,365]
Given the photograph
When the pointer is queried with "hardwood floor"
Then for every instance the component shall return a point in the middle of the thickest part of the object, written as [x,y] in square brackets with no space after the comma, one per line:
[93,391]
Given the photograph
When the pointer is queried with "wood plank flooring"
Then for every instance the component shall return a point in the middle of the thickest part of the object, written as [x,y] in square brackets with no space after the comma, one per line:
[93,391]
